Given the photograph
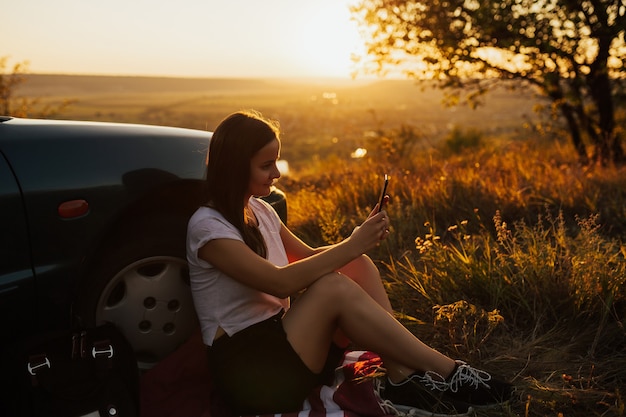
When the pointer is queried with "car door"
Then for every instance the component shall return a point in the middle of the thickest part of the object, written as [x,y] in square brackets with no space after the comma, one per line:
[16,274]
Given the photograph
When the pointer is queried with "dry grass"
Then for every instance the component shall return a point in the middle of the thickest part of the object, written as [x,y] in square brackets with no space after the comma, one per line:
[510,260]
[505,252]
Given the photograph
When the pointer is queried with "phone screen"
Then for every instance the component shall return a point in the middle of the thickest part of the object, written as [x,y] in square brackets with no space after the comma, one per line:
[381,199]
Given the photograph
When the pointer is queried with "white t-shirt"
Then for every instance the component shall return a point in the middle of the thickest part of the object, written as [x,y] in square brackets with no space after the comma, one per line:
[220,301]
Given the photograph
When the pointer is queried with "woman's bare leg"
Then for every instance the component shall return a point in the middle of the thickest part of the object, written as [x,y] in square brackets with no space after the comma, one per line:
[364,272]
[334,302]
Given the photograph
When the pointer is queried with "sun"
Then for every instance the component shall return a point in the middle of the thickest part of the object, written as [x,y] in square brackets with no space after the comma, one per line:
[326,41]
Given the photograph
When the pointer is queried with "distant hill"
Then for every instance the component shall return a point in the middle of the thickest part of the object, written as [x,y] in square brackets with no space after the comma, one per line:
[46,85]
[310,110]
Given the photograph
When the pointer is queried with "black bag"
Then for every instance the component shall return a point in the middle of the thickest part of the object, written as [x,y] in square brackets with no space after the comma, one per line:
[91,372]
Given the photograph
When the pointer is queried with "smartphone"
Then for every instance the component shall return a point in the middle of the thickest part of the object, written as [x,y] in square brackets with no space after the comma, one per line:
[383,193]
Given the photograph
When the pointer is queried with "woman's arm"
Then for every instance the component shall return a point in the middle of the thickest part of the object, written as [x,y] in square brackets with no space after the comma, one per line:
[238,261]
[295,248]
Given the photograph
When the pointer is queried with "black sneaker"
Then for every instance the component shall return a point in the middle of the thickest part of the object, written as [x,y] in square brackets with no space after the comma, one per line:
[411,396]
[469,385]
[477,387]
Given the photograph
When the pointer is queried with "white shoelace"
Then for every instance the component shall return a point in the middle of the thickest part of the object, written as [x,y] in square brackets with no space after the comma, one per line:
[385,405]
[463,375]
[434,381]
[409,411]
[466,375]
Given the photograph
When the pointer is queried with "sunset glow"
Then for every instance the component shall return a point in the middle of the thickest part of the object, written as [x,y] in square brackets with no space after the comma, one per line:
[197,38]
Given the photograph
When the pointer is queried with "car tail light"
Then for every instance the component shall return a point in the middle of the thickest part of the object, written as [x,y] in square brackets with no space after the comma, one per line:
[73,208]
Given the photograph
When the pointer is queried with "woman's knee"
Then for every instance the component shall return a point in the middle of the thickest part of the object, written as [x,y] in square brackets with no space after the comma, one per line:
[361,268]
[333,286]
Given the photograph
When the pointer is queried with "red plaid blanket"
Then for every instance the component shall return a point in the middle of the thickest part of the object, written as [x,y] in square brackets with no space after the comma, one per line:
[179,386]
[354,393]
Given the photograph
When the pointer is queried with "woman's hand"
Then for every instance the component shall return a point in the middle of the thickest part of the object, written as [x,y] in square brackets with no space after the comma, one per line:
[374,229]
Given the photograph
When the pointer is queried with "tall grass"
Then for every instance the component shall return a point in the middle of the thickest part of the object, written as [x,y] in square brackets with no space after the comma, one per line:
[504,253]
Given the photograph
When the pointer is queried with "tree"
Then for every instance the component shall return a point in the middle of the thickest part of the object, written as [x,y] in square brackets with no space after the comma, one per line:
[10,105]
[8,84]
[571,51]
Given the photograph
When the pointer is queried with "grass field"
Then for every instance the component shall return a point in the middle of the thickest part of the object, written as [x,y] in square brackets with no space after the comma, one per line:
[504,252]
[318,118]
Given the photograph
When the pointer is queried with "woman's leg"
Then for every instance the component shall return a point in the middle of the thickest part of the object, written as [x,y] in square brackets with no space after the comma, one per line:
[364,272]
[334,302]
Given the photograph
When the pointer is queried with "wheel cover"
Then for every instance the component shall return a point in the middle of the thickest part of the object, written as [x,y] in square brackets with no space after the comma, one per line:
[150,301]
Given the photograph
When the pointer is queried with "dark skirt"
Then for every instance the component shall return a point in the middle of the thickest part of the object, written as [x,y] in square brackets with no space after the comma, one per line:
[256,371]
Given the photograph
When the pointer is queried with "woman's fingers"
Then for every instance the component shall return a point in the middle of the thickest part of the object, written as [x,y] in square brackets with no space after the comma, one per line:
[385,227]
[374,229]
[375,210]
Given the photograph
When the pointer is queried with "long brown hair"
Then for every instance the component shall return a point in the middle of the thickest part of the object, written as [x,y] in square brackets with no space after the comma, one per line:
[235,141]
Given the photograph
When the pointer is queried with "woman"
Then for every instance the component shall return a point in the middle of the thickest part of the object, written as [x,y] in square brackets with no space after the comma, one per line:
[265,355]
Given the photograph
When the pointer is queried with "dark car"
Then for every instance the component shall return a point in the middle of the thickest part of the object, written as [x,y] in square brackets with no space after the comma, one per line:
[92,228]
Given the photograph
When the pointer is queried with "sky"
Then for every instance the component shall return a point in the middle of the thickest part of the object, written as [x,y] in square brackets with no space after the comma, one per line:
[188,38]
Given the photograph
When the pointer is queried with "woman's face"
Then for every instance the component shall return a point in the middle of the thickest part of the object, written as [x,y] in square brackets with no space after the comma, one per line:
[263,170]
